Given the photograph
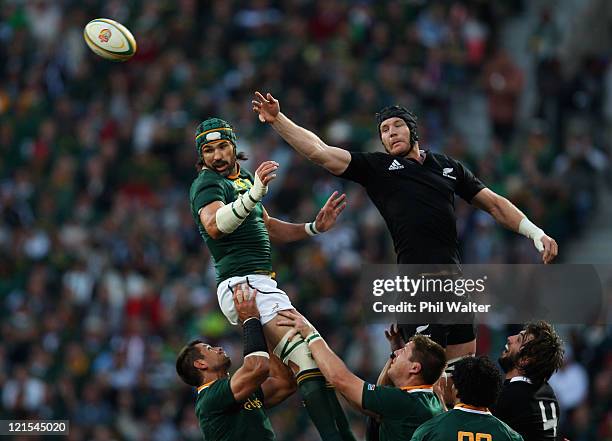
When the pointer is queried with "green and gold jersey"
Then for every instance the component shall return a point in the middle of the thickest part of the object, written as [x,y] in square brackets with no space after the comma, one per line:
[247,249]
[221,418]
[401,410]
[466,423]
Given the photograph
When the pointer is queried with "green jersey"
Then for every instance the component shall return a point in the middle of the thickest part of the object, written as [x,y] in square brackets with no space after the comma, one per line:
[247,249]
[221,418]
[401,410]
[464,423]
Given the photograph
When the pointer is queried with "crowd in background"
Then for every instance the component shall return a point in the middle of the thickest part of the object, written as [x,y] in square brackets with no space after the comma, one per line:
[103,276]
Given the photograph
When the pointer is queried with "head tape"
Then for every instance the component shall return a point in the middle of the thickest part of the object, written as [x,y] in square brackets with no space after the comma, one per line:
[211,130]
[399,112]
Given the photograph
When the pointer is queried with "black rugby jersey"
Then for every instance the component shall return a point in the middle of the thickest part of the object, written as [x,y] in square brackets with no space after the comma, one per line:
[532,410]
[417,201]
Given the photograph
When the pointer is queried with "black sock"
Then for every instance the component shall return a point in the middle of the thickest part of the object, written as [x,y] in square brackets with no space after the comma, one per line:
[339,416]
[316,398]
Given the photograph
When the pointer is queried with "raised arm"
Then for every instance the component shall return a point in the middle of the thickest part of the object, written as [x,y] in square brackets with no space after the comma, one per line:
[255,368]
[219,219]
[508,215]
[333,159]
[282,232]
[395,342]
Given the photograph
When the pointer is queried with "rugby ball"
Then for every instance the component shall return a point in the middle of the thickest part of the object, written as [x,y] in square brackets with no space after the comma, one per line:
[109,39]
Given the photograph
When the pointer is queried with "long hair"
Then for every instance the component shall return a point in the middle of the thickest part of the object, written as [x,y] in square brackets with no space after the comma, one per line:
[541,356]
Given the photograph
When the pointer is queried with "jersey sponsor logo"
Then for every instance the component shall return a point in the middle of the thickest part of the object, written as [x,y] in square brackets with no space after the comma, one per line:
[446,172]
[241,185]
[371,386]
[395,165]
[252,404]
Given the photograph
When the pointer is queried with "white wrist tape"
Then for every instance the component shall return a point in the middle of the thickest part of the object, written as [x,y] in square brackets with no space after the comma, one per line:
[230,216]
[311,229]
[532,231]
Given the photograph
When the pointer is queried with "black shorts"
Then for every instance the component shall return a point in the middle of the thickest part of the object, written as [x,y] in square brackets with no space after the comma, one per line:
[442,334]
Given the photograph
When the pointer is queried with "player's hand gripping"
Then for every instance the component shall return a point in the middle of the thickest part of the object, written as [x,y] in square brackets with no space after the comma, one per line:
[296,320]
[394,337]
[267,108]
[326,218]
[244,302]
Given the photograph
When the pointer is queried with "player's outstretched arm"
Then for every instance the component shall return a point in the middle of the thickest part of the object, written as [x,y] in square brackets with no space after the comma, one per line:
[255,368]
[333,159]
[282,232]
[220,219]
[508,215]
[332,367]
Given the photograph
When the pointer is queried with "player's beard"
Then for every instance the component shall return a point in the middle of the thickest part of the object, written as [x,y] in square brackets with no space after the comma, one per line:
[507,362]
[228,170]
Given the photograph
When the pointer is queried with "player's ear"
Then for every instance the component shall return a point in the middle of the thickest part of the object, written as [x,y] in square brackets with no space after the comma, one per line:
[416,368]
[200,364]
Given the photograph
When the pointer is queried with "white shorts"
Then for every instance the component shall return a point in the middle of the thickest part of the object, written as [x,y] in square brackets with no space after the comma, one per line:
[270,299]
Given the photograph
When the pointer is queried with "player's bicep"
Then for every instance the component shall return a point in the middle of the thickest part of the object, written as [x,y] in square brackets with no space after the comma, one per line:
[208,217]
[485,199]
[337,160]
[249,377]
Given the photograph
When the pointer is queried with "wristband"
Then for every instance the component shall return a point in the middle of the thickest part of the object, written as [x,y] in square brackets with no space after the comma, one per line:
[532,231]
[253,337]
[313,336]
[311,229]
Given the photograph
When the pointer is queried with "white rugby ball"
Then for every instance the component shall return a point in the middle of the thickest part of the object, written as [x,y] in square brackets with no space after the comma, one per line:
[109,39]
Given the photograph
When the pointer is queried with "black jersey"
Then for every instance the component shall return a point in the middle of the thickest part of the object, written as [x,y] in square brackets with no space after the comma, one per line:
[417,201]
[532,410]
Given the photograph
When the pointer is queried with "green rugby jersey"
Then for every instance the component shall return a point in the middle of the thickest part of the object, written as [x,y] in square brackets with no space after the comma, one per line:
[401,410]
[247,249]
[465,423]
[221,418]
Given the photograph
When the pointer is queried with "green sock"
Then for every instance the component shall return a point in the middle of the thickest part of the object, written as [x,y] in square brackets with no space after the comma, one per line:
[316,399]
[339,416]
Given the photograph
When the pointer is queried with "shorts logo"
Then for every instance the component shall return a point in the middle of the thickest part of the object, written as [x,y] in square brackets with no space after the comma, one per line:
[395,165]
[371,387]
[446,172]
[276,306]
[104,35]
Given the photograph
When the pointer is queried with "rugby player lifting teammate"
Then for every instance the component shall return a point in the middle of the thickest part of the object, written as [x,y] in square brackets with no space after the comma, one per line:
[414,191]
[232,408]
[225,203]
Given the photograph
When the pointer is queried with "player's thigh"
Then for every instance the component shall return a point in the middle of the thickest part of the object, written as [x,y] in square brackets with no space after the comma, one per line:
[461,341]
[275,333]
